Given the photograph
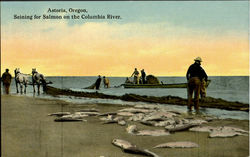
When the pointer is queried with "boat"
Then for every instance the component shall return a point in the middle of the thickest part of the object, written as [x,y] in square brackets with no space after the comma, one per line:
[175,85]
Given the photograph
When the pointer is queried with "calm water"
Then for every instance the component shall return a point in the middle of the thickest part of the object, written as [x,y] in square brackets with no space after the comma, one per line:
[232,88]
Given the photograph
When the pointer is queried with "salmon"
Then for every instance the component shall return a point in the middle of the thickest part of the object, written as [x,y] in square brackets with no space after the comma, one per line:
[182,144]
[127,147]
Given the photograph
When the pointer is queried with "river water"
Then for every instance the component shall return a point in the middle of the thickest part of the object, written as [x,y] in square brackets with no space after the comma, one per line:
[231,88]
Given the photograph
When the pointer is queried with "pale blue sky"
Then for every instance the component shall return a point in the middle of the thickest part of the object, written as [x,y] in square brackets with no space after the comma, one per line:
[229,15]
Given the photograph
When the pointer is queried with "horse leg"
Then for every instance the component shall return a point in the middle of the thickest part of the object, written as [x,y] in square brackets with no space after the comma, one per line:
[38,88]
[17,87]
[34,88]
[21,88]
[25,86]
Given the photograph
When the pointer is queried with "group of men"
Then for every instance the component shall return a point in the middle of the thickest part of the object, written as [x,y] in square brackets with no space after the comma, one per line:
[195,75]
[137,78]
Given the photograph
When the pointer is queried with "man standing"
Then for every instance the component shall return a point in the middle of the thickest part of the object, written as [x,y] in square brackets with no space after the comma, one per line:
[98,82]
[6,78]
[143,76]
[136,76]
[195,75]
[105,82]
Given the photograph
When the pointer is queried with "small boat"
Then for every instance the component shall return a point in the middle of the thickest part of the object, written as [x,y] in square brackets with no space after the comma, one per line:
[175,85]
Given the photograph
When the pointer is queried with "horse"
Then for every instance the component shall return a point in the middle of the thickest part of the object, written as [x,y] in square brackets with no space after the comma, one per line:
[21,79]
[105,82]
[37,79]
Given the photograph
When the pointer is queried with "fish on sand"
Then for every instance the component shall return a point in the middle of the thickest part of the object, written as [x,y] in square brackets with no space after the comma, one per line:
[132,129]
[181,144]
[128,147]
[59,114]
[71,118]
[222,131]
[179,127]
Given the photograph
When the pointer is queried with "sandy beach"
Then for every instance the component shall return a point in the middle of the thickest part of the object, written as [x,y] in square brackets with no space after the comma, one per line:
[27,130]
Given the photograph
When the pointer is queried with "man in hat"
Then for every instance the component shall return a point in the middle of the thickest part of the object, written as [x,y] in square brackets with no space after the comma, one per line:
[6,78]
[195,75]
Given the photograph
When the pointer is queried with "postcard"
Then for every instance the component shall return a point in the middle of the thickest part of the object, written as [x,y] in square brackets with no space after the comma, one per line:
[124,78]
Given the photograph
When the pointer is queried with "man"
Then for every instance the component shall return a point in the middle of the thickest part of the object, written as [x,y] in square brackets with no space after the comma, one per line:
[98,82]
[136,76]
[105,82]
[195,75]
[6,78]
[143,76]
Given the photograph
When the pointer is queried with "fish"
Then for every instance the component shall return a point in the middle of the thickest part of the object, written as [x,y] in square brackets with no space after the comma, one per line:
[137,117]
[202,128]
[71,117]
[132,129]
[150,123]
[112,119]
[118,118]
[108,113]
[165,123]
[167,114]
[152,133]
[122,122]
[225,131]
[88,113]
[147,106]
[135,110]
[68,119]
[179,127]
[59,114]
[154,117]
[108,118]
[198,121]
[128,147]
[224,134]
[181,144]
[159,116]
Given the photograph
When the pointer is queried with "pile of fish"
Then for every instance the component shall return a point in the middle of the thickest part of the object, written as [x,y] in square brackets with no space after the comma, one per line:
[152,115]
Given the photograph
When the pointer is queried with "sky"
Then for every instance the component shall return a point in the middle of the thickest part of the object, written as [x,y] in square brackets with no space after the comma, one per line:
[162,37]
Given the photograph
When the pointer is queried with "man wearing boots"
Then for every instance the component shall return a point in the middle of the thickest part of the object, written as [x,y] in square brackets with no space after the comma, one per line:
[195,75]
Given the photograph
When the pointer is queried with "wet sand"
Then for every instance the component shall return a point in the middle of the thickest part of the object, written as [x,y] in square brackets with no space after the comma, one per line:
[27,130]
